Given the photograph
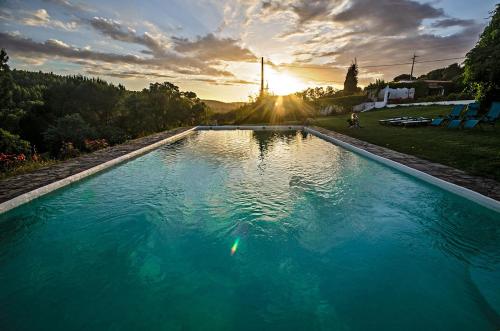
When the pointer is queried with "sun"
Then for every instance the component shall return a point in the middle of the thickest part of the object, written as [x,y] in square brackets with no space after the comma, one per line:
[282,83]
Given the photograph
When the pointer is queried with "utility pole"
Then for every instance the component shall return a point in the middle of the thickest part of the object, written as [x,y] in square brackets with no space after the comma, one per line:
[412,65]
[261,76]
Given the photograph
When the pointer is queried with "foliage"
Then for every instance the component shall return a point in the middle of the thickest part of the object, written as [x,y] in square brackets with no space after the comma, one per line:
[10,161]
[351,80]
[25,167]
[452,72]
[7,111]
[68,129]
[403,77]
[312,94]
[68,150]
[482,65]
[47,109]
[343,105]
[95,145]
[13,144]
[373,89]
[269,109]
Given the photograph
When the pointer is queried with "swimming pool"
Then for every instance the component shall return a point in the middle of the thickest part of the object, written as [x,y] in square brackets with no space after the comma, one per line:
[250,230]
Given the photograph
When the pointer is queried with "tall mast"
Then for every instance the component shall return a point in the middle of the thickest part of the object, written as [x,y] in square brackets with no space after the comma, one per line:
[261,76]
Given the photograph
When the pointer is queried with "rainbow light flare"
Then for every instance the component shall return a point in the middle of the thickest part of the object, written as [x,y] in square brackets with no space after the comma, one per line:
[235,246]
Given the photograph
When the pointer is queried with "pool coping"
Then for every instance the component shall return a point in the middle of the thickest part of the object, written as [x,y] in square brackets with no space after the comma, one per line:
[429,172]
[144,145]
[456,181]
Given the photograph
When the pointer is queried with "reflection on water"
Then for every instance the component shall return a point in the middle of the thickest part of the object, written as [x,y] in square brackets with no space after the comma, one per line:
[250,230]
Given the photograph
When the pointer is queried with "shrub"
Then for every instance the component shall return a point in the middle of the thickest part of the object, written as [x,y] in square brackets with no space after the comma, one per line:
[95,145]
[10,161]
[343,105]
[68,129]
[112,134]
[13,144]
[68,150]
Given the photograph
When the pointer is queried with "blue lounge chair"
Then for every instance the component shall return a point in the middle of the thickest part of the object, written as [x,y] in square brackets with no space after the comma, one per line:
[454,124]
[490,118]
[472,111]
[455,114]
[471,114]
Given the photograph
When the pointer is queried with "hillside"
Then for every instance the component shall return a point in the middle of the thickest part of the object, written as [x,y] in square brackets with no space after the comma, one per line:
[268,109]
[222,107]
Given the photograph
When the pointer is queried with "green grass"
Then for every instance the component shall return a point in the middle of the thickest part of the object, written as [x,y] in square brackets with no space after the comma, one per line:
[475,151]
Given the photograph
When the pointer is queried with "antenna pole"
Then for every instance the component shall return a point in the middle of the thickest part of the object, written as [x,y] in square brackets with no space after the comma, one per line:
[412,66]
[261,76]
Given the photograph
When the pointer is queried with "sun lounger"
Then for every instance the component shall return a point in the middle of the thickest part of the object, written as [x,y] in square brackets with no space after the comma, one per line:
[406,121]
[454,114]
[421,121]
[490,118]
[471,114]
[392,120]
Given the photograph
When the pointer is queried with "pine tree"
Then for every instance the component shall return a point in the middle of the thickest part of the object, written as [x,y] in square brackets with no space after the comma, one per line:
[351,80]
[6,83]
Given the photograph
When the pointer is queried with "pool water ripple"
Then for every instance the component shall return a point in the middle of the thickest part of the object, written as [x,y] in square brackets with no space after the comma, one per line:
[323,239]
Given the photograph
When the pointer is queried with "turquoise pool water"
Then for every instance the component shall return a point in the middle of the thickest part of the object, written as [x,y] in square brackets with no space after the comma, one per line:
[242,230]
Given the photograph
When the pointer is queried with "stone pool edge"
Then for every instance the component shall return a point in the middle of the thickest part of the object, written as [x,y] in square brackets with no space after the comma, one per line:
[327,135]
[43,190]
[459,190]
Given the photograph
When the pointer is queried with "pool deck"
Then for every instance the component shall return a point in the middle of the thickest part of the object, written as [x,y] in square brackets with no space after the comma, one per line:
[17,186]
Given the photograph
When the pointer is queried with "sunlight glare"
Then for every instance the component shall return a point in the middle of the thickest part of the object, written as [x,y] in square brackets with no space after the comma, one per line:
[282,83]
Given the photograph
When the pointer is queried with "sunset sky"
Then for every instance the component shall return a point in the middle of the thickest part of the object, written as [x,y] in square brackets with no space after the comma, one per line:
[212,47]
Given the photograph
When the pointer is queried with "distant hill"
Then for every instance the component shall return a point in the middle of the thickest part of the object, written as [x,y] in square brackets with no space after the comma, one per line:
[222,107]
[268,109]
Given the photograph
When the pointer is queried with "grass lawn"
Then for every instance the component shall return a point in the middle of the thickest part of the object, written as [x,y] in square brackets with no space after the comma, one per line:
[475,151]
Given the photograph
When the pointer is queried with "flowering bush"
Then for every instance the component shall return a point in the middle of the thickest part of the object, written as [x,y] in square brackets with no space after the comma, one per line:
[13,144]
[95,145]
[68,150]
[9,161]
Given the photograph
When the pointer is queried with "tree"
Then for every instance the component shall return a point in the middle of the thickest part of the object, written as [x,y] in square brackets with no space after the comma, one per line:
[6,85]
[351,80]
[403,77]
[482,65]
[68,129]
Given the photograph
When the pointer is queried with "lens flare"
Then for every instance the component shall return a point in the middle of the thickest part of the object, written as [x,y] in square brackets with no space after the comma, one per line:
[235,246]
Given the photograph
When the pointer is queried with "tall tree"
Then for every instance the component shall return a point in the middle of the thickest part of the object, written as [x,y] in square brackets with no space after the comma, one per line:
[6,84]
[482,65]
[351,80]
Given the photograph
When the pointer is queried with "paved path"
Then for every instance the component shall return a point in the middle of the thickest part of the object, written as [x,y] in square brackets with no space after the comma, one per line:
[485,186]
[15,186]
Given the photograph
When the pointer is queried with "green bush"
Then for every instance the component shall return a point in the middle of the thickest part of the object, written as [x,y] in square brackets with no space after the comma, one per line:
[112,134]
[13,144]
[67,151]
[343,105]
[68,129]
[95,145]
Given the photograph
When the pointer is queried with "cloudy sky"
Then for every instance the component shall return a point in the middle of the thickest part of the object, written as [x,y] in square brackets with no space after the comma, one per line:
[212,47]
